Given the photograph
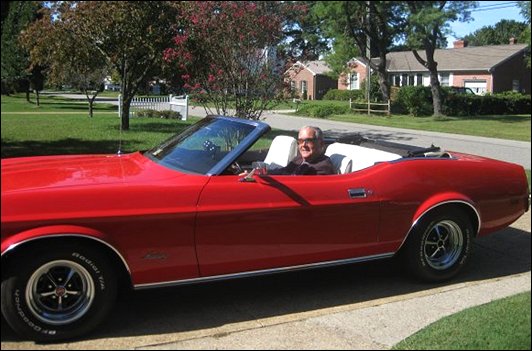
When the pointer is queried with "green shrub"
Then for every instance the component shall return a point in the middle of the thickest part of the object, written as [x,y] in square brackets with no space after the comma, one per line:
[343,95]
[489,104]
[322,110]
[417,101]
[414,100]
[166,114]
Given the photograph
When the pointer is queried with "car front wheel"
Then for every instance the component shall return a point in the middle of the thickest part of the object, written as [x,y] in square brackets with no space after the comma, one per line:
[440,245]
[58,292]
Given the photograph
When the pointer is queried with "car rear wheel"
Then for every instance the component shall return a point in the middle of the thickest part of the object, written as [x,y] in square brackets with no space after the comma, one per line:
[58,292]
[440,245]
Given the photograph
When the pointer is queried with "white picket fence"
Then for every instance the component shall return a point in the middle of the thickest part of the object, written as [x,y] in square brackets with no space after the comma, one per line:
[158,103]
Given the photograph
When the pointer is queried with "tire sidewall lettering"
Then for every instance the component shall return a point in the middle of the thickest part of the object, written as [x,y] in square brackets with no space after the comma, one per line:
[99,278]
[19,307]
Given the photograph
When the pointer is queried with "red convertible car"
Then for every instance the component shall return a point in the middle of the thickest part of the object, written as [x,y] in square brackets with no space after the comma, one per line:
[74,228]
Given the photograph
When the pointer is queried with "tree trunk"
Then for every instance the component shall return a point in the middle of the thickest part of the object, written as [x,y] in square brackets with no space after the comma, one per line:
[436,93]
[124,118]
[432,66]
[37,97]
[384,86]
[90,100]
[125,103]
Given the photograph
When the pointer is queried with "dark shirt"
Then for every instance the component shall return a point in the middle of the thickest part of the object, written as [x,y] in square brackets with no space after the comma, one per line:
[320,166]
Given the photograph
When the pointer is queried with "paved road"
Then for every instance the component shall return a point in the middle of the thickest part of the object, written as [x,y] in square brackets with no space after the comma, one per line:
[364,306]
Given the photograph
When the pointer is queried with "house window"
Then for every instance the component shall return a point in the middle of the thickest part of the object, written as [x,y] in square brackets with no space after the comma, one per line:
[292,85]
[444,79]
[419,79]
[411,79]
[404,80]
[397,80]
[304,89]
[353,81]
[515,85]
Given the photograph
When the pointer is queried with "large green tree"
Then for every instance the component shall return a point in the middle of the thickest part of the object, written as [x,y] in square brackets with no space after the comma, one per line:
[17,72]
[304,39]
[131,35]
[69,60]
[498,34]
[356,21]
[428,27]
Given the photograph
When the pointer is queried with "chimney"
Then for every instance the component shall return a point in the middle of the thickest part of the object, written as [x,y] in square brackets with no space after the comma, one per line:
[458,44]
[513,41]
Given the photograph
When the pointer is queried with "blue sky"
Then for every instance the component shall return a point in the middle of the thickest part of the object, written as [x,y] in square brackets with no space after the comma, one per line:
[488,13]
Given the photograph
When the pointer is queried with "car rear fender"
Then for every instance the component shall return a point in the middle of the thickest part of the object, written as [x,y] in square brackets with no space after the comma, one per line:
[443,200]
[60,234]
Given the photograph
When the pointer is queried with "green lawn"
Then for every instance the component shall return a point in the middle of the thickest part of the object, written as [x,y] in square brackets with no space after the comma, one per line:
[47,103]
[500,325]
[512,127]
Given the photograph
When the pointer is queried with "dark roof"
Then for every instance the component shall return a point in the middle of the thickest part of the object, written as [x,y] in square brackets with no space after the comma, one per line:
[472,58]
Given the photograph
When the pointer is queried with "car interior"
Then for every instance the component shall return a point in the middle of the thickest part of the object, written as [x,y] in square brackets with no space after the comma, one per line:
[350,153]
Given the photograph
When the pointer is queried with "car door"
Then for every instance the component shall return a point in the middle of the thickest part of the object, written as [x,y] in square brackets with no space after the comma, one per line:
[279,221]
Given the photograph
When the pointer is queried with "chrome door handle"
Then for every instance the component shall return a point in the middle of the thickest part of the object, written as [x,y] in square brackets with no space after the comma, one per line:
[358,193]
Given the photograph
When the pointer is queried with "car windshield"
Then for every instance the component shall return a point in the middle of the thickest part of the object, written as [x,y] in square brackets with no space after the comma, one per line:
[201,147]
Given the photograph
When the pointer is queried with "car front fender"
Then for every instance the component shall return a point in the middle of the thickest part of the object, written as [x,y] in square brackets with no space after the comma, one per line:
[58,232]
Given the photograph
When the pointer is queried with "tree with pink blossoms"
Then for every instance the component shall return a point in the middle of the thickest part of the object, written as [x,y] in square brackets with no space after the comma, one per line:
[226,50]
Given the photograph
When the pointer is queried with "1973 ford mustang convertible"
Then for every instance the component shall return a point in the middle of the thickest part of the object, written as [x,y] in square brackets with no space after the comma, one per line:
[75,227]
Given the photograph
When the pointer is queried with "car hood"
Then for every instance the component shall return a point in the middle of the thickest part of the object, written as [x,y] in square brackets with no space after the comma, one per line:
[33,173]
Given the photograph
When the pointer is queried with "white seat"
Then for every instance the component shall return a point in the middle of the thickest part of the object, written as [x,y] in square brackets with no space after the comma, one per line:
[282,150]
[342,164]
[361,157]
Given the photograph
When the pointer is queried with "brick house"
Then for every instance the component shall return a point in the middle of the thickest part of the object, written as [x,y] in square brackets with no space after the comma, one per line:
[309,80]
[493,68]
[356,76]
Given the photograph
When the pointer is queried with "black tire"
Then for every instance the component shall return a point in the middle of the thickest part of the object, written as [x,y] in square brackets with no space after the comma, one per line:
[439,245]
[57,293]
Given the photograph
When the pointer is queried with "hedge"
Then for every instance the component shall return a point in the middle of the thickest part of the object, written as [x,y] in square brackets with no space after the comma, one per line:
[417,101]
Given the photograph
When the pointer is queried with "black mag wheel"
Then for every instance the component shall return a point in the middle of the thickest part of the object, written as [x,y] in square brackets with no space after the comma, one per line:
[440,245]
[57,293]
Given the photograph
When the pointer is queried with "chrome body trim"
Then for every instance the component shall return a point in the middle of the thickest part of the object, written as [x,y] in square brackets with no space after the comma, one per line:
[12,246]
[437,205]
[263,272]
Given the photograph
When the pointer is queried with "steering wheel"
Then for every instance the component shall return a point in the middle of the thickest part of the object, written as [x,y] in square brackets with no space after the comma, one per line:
[235,168]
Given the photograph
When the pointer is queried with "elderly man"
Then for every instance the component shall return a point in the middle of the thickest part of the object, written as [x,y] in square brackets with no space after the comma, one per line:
[311,159]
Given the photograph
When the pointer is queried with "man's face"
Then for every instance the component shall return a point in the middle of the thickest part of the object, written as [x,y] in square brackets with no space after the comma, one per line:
[308,145]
